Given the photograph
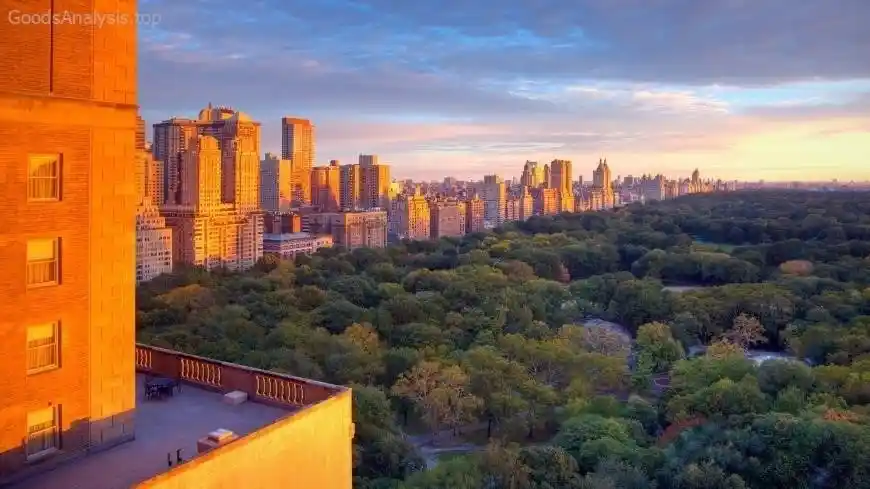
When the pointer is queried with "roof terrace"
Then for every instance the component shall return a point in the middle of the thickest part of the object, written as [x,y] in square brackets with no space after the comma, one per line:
[163,426]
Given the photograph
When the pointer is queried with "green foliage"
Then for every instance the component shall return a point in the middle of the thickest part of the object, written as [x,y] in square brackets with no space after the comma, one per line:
[487,331]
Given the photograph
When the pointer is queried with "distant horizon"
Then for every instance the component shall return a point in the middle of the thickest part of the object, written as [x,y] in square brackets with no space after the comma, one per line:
[773,91]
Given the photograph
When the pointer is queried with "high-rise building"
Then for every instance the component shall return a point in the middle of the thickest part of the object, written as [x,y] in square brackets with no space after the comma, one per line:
[276,184]
[602,179]
[140,133]
[67,224]
[560,176]
[73,382]
[546,201]
[284,223]
[298,141]
[447,218]
[169,141]
[409,215]
[520,206]
[298,145]
[351,230]
[369,160]
[206,231]
[350,180]
[374,183]
[240,167]
[533,175]
[494,195]
[153,238]
[474,214]
[326,187]
[238,138]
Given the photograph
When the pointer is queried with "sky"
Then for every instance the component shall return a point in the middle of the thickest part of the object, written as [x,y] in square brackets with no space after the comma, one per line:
[741,89]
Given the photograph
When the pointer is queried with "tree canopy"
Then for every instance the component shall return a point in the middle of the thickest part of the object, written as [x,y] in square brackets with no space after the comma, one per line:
[503,336]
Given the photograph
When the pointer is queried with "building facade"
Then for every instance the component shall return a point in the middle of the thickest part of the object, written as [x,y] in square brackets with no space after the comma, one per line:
[410,217]
[374,183]
[71,368]
[276,184]
[67,227]
[474,214]
[326,187]
[288,245]
[153,237]
[350,181]
[494,195]
[351,230]
[206,231]
[447,218]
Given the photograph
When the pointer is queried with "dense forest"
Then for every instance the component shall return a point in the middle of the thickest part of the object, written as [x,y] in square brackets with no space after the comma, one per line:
[493,360]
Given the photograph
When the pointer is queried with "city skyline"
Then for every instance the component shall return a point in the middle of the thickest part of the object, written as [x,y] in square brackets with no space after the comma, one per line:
[455,89]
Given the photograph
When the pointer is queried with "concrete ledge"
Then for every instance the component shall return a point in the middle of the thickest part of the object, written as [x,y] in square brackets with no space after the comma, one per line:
[235,398]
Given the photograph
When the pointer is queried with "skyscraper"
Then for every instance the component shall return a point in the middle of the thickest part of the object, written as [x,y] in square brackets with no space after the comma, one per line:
[369,160]
[325,187]
[238,138]
[298,146]
[297,141]
[410,217]
[350,181]
[374,182]
[474,214]
[560,176]
[140,133]
[206,231]
[276,184]
[493,193]
[153,237]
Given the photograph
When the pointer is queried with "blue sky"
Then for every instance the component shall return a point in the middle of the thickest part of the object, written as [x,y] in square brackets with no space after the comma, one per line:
[738,88]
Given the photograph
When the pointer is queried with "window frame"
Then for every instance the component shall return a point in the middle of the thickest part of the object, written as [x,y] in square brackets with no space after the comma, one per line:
[55,346]
[53,431]
[56,261]
[57,178]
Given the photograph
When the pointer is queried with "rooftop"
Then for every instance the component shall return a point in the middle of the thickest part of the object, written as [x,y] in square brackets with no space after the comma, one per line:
[164,426]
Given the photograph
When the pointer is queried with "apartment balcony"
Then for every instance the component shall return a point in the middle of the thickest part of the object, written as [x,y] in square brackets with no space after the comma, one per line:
[290,432]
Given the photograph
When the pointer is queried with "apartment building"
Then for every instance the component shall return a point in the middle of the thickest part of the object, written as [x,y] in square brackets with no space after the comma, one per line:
[72,410]
[351,230]
[288,245]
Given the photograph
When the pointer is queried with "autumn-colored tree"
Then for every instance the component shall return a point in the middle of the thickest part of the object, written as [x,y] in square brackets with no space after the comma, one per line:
[745,332]
[441,393]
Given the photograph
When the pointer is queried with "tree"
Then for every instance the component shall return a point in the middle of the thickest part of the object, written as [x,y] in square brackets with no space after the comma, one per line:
[657,348]
[441,392]
[498,383]
[745,332]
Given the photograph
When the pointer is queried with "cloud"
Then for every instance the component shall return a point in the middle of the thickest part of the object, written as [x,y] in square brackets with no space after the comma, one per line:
[429,81]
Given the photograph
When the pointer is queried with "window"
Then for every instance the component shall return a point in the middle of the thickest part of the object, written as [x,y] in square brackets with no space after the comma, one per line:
[42,262]
[43,178]
[43,436]
[42,348]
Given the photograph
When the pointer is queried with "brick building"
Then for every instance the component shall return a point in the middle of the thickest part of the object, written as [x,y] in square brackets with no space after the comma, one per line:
[67,216]
[351,229]
[68,376]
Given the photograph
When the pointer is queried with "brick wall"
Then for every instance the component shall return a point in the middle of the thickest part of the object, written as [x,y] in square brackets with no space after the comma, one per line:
[69,90]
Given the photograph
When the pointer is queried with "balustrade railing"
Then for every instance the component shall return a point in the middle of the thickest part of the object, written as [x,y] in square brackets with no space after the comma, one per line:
[280,389]
[201,372]
[260,385]
[143,359]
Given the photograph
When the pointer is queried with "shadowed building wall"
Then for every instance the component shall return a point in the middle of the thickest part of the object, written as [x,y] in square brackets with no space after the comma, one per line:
[67,236]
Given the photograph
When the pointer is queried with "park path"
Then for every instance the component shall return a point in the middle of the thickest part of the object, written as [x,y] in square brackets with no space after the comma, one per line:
[434,444]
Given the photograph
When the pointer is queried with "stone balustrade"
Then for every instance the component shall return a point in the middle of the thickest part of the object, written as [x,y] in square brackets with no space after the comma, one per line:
[260,385]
